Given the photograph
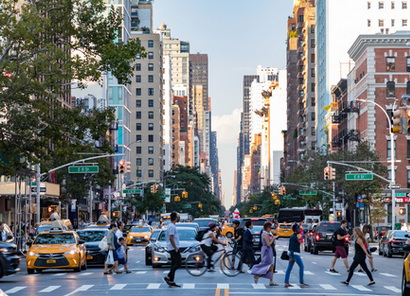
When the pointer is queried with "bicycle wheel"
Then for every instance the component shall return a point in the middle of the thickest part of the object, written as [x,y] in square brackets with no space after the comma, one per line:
[195,264]
[230,263]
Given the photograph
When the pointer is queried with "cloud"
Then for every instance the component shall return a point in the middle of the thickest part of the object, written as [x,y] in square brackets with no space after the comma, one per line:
[227,127]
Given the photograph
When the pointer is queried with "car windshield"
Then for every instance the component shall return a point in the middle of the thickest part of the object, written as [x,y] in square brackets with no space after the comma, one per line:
[285,226]
[92,236]
[328,227]
[183,234]
[187,225]
[400,234]
[203,223]
[140,229]
[257,229]
[55,238]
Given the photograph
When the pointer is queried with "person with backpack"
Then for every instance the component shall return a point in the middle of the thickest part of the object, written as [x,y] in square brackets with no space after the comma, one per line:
[237,239]
[340,237]
[208,244]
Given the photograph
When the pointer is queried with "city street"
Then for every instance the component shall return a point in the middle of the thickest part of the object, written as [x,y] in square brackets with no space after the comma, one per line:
[148,281]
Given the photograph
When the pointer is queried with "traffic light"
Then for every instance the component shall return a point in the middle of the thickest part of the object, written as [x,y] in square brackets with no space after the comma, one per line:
[200,206]
[396,121]
[400,211]
[326,173]
[154,188]
[121,166]
[184,194]
[283,190]
[332,173]
[128,167]
[280,191]
[177,198]
[274,195]
[277,202]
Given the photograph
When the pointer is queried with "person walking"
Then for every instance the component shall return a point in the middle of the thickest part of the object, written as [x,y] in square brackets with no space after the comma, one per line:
[173,249]
[294,256]
[111,242]
[247,247]
[122,255]
[366,232]
[208,244]
[238,235]
[360,256]
[341,236]
[265,268]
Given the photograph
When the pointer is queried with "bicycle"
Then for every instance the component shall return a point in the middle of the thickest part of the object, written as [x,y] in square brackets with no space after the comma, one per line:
[196,264]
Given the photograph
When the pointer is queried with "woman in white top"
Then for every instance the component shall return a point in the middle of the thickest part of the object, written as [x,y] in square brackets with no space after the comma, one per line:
[208,244]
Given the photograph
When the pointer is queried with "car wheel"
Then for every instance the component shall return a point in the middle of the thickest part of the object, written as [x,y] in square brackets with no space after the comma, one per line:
[229,235]
[389,253]
[84,267]
[147,259]
[30,270]
[380,251]
[405,291]
[39,270]
[78,269]
[315,250]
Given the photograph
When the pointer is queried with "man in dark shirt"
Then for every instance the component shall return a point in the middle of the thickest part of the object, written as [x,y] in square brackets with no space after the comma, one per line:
[247,246]
[341,236]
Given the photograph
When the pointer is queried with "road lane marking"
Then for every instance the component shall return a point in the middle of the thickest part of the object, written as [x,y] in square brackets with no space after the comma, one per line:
[15,289]
[258,286]
[217,292]
[327,287]
[308,273]
[222,286]
[392,288]
[295,287]
[49,289]
[86,273]
[332,273]
[153,286]
[360,288]
[226,292]
[59,274]
[360,273]
[314,262]
[188,286]
[80,289]
[141,272]
[388,274]
[118,287]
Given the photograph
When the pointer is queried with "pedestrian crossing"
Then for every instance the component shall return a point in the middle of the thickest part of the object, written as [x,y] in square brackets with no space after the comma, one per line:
[319,288]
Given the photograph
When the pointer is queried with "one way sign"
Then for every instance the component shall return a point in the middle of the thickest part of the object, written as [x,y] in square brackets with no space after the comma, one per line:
[42,189]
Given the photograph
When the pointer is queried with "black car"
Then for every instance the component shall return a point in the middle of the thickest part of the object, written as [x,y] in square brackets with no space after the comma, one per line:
[9,260]
[256,221]
[92,238]
[322,238]
[394,243]
[148,248]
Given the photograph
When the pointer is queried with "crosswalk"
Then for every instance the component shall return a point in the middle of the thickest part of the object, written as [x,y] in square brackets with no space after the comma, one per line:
[323,288]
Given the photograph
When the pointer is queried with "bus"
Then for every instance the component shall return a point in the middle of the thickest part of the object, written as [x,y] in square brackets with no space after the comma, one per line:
[299,215]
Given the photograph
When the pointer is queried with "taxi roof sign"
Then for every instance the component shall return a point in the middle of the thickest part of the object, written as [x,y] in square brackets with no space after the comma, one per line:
[57,226]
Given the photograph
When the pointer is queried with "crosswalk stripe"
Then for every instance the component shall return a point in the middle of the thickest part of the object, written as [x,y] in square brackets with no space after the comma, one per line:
[295,287]
[188,286]
[49,289]
[360,273]
[15,289]
[332,273]
[222,286]
[153,286]
[327,287]
[80,289]
[86,273]
[258,286]
[308,272]
[360,288]
[141,272]
[392,288]
[59,274]
[118,287]
[388,274]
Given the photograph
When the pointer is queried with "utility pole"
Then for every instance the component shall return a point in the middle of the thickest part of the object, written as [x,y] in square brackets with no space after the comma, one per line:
[38,196]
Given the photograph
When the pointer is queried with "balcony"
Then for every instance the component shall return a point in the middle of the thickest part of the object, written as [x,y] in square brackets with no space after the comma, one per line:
[353,135]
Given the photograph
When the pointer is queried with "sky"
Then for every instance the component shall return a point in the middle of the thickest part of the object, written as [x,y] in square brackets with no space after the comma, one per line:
[237,35]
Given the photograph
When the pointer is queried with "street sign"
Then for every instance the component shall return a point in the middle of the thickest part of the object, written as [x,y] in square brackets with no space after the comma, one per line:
[83,169]
[133,191]
[312,192]
[42,189]
[394,186]
[403,194]
[289,197]
[359,205]
[403,200]
[358,177]
[187,206]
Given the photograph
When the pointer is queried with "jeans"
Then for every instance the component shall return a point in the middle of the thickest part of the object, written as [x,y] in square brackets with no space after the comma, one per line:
[175,264]
[299,262]
[209,251]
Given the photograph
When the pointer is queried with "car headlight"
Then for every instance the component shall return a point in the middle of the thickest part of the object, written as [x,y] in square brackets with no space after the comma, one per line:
[146,237]
[159,249]
[72,252]
[31,253]
[194,249]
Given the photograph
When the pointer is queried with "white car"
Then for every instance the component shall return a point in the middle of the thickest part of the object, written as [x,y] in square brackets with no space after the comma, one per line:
[187,245]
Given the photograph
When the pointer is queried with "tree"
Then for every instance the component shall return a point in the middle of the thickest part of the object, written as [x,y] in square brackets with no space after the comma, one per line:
[44,46]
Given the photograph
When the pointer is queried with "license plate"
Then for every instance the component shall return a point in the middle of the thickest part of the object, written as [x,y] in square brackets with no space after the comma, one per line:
[89,257]
[329,236]
[51,261]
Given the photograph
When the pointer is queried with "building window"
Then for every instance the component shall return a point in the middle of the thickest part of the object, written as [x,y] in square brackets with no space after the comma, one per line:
[150,55]
[138,103]
[408,64]
[150,91]
[313,131]
[138,91]
[381,5]
[390,89]
[150,138]
[137,78]
[312,87]
[404,23]
[312,43]
[369,5]
[313,102]
[389,149]
[312,29]
[301,19]
[138,161]
[408,87]
[369,23]
[393,6]
[138,138]
[312,72]
[408,150]
[138,56]
[150,161]
[150,43]
[138,150]
[390,64]
[312,58]
[150,126]
[150,78]
[150,67]
[312,116]
[150,114]
[138,115]
[138,67]
[139,173]
[404,5]
[150,103]
[151,173]
[150,149]
[138,126]
[392,22]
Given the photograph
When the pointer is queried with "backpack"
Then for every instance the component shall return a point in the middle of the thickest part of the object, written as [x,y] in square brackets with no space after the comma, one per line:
[200,234]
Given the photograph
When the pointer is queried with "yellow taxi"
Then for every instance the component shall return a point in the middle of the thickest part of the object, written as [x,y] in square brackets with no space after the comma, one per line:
[405,280]
[284,230]
[228,230]
[139,234]
[56,248]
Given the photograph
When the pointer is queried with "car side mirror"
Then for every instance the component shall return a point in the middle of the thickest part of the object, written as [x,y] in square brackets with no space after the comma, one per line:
[80,241]
[29,244]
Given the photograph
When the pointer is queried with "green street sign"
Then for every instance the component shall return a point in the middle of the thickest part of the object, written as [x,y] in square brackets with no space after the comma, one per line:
[188,206]
[400,194]
[132,191]
[312,192]
[358,177]
[289,197]
[83,169]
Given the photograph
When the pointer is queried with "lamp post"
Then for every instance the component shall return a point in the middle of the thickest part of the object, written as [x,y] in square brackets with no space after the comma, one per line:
[392,161]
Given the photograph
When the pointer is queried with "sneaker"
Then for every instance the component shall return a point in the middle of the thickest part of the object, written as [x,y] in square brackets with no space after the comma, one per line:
[210,270]
[240,271]
[174,285]
[345,283]
[167,281]
[371,283]
[333,270]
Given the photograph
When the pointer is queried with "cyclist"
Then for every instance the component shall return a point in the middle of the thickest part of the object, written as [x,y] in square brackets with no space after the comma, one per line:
[238,234]
[208,244]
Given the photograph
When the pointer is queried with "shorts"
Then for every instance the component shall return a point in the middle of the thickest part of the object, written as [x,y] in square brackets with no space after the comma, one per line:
[122,261]
[340,252]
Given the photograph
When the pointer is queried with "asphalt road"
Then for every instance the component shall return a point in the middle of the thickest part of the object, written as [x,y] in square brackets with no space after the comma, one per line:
[145,280]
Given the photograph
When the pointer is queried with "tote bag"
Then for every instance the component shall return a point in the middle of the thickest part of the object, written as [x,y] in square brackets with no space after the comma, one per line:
[110,258]
[103,244]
